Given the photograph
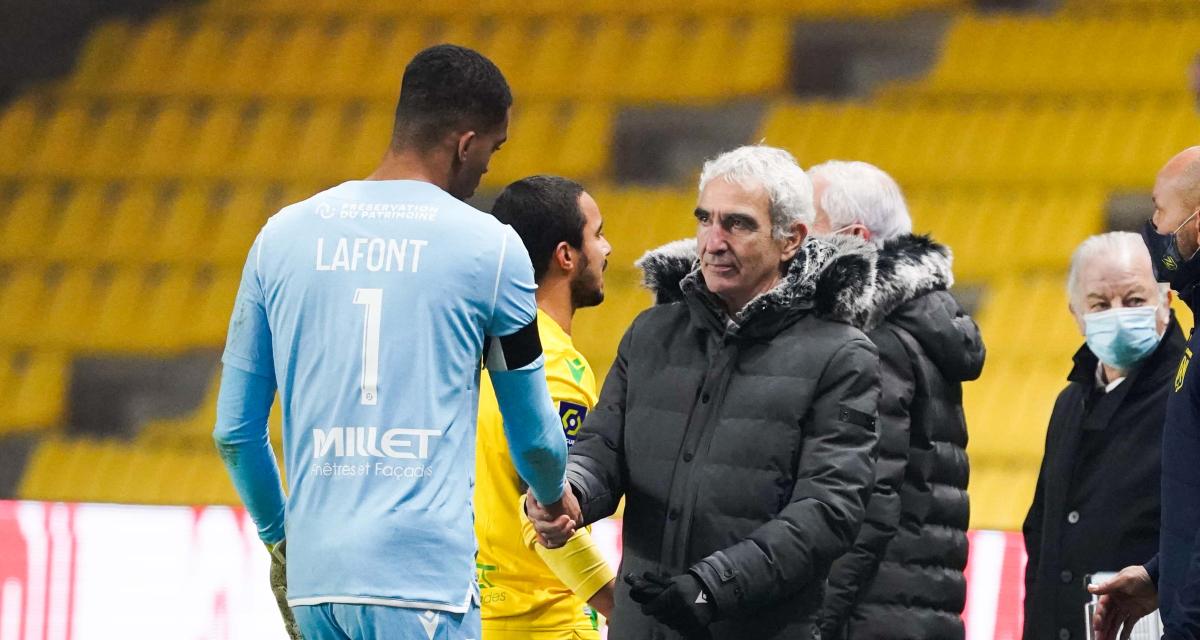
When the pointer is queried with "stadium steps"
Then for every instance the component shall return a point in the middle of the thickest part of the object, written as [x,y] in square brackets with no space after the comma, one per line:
[84,469]
[810,9]
[1063,55]
[638,59]
[248,140]
[1115,144]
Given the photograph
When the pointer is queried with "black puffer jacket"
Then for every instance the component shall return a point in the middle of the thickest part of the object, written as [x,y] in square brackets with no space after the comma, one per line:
[744,454]
[904,577]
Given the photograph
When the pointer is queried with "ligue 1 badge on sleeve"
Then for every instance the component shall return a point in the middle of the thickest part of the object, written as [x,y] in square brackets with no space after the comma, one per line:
[572,416]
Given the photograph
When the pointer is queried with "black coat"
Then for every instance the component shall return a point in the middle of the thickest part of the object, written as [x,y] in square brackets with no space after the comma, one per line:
[744,454]
[1176,568]
[1096,507]
[903,579]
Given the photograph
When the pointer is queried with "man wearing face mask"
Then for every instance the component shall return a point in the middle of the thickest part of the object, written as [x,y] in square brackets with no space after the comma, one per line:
[1096,507]
[1171,579]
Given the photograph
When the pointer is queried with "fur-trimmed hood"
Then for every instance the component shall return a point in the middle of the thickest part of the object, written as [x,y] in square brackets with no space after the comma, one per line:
[913,276]
[834,276]
[908,267]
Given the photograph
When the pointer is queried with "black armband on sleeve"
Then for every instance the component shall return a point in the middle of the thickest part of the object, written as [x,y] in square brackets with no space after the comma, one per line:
[512,352]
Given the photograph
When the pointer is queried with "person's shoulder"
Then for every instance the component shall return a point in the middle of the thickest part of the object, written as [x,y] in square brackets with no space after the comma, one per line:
[317,207]
[658,321]
[827,330]
[569,375]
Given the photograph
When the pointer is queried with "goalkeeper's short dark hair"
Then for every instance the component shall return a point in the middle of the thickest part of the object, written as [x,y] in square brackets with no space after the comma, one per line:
[544,211]
[448,87]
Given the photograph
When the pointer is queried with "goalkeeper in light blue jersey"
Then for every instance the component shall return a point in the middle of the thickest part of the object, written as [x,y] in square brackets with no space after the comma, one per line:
[370,307]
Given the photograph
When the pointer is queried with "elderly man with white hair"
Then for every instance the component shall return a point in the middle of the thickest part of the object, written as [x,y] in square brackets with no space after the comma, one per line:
[738,419]
[903,578]
[1096,508]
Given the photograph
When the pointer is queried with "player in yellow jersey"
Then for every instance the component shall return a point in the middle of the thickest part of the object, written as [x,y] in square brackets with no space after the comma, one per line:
[530,592]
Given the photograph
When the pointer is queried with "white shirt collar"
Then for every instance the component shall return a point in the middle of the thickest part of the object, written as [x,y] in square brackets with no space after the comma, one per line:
[1101,384]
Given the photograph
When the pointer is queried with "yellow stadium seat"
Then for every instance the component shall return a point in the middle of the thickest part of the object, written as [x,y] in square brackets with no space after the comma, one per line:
[217,137]
[1001,495]
[118,311]
[584,142]
[102,55]
[507,45]
[549,71]
[116,138]
[18,128]
[132,225]
[21,298]
[180,235]
[64,318]
[38,390]
[26,227]
[760,61]
[295,62]
[601,60]
[344,64]
[49,468]
[198,62]
[269,141]
[240,71]
[367,140]
[8,380]
[317,146]
[168,137]
[396,49]
[59,142]
[650,63]
[165,308]
[213,306]
[148,57]
[82,226]
[237,224]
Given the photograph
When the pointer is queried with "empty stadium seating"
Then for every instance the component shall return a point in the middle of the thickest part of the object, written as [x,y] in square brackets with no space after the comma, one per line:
[133,187]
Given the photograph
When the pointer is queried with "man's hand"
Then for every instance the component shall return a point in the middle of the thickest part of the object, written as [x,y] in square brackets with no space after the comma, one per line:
[555,522]
[1123,601]
[279,587]
[679,602]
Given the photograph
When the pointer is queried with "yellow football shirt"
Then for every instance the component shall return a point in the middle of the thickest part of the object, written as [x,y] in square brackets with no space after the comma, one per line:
[519,592]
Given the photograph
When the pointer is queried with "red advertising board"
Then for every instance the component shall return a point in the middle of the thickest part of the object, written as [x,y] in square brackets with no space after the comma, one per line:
[98,571]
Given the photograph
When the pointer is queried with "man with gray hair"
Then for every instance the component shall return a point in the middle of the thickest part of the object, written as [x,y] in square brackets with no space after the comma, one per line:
[1096,507]
[738,419]
[903,578]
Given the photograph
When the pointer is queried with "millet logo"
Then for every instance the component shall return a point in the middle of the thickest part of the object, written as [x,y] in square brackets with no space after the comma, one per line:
[345,442]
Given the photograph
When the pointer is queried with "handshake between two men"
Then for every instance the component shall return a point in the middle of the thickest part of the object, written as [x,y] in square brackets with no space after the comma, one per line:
[679,602]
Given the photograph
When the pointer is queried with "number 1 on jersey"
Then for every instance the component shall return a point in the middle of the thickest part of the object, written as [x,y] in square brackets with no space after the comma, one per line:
[372,299]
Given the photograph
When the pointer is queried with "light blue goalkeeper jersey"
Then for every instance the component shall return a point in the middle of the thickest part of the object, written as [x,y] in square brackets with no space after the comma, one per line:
[368,304]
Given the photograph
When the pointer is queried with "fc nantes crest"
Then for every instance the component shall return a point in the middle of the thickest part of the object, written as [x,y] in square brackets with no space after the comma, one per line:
[1181,373]
[572,416]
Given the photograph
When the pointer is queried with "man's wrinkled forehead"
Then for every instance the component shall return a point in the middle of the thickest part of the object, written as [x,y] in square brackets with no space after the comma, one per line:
[728,195]
[1119,274]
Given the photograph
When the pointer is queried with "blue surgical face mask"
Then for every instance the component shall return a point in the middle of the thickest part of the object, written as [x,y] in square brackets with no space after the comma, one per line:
[1122,337]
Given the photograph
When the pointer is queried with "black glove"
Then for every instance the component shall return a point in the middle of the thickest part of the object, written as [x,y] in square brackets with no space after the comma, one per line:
[279,588]
[680,602]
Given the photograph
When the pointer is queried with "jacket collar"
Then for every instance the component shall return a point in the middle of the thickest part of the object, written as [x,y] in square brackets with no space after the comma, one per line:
[908,267]
[832,277]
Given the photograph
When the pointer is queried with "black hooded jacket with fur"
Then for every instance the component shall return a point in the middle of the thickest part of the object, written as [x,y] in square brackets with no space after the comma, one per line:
[744,452]
[903,579]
